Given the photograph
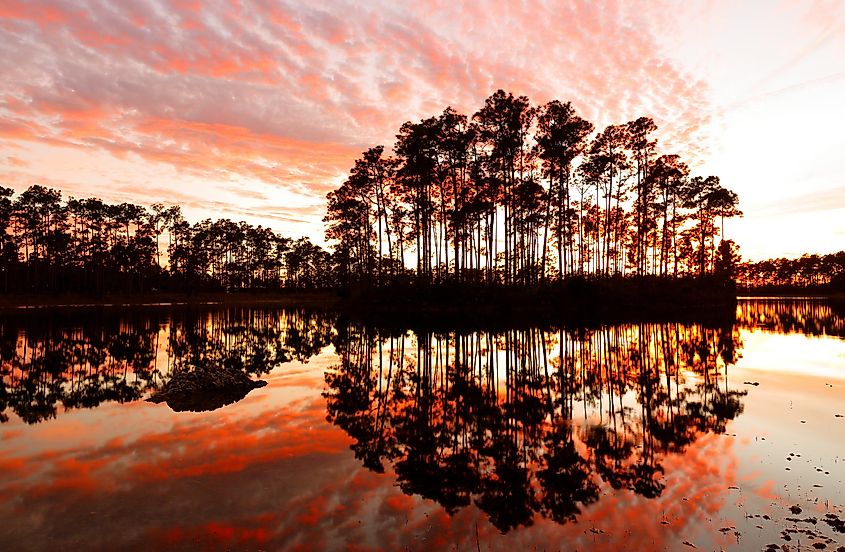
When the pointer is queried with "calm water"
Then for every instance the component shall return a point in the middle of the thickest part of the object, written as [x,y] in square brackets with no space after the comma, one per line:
[632,437]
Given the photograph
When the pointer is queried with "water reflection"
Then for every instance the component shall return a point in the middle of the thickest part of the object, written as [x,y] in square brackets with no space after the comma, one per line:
[531,422]
[81,360]
[637,436]
[73,360]
[806,316]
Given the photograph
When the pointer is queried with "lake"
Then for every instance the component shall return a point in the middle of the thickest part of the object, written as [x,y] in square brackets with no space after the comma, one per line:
[716,435]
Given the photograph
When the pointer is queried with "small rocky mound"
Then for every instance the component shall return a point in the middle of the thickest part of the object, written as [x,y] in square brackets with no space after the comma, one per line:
[205,388]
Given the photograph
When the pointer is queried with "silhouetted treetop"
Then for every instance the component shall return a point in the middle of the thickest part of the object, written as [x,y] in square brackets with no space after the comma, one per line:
[518,194]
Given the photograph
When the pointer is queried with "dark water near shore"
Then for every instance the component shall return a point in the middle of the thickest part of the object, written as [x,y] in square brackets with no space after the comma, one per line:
[651,436]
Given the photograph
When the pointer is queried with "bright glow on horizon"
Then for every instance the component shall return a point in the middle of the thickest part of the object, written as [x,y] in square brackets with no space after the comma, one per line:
[253,110]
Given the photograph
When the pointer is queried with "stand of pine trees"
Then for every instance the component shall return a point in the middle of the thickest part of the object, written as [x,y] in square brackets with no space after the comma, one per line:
[521,195]
[48,244]
[806,272]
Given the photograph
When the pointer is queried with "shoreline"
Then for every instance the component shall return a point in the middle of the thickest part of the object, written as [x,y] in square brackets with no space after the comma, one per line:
[293,298]
[778,292]
[333,299]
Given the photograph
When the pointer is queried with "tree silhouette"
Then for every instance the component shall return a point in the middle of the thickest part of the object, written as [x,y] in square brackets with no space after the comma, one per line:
[86,245]
[490,199]
[822,272]
[561,138]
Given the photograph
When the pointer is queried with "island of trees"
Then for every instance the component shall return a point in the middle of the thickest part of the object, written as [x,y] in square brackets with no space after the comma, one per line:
[521,195]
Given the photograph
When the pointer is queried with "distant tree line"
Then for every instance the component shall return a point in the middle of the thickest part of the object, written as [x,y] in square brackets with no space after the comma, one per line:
[519,195]
[804,272]
[48,243]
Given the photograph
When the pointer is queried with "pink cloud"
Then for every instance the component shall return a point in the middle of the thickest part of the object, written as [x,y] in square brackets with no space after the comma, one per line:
[289,94]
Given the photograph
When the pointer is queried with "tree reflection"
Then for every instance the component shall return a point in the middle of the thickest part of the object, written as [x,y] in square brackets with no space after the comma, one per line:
[808,316]
[86,359]
[530,422]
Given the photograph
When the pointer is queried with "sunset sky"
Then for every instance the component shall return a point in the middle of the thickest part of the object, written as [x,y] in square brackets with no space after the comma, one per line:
[255,109]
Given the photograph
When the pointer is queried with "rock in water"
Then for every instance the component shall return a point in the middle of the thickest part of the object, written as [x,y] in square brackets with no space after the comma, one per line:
[205,388]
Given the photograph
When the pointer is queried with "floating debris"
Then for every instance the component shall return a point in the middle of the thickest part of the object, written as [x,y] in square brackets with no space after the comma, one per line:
[837,524]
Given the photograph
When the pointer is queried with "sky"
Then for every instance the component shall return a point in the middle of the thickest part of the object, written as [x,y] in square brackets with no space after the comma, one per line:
[255,109]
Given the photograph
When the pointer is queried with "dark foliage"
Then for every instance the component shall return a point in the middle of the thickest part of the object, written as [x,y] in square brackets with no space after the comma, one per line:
[808,273]
[52,245]
[521,195]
